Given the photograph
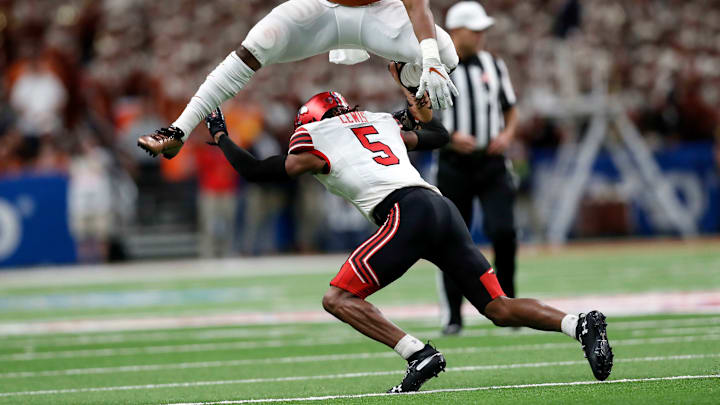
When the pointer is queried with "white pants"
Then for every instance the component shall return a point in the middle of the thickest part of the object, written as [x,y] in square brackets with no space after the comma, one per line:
[299,29]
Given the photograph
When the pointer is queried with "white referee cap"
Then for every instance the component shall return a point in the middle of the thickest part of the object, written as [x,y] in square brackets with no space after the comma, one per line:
[468,14]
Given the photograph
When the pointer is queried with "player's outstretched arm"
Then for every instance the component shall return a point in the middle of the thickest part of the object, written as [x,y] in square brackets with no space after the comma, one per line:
[273,169]
[434,78]
[421,18]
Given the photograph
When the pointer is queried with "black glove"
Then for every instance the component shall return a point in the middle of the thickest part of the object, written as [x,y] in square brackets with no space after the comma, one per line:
[215,123]
[406,120]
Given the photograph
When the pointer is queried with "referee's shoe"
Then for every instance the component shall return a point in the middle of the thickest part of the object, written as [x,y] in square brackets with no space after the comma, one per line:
[422,366]
[592,333]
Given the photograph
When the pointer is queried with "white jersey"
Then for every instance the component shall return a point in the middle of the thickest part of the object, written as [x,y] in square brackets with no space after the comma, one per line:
[365,155]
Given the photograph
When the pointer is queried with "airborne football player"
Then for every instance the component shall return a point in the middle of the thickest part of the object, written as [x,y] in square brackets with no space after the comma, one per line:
[362,157]
[399,30]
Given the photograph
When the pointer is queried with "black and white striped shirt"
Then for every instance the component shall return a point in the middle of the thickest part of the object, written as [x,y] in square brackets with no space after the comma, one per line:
[485,93]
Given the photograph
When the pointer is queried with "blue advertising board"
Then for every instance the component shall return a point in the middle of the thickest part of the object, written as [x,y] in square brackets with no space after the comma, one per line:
[689,168]
[34,221]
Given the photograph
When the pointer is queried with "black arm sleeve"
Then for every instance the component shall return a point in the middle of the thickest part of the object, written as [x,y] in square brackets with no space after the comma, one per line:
[271,169]
[432,135]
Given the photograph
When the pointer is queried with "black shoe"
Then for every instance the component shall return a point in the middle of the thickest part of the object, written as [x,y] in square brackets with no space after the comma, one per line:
[592,334]
[422,366]
[452,329]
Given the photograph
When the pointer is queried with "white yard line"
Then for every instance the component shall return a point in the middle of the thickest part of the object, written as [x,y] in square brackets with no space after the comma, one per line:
[191,335]
[204,364]
[200,347]
[666,323]
[262,335]
[665,326]
[292,378]
[191,348]
[303,359]
[676,331]
[32,346]
[149,322]
[622,304]
[469,389]
[190,269]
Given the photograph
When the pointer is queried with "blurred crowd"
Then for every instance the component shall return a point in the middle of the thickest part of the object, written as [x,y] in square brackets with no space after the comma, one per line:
[82,79]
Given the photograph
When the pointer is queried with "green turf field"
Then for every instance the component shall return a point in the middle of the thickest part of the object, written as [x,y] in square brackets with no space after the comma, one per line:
[660,358]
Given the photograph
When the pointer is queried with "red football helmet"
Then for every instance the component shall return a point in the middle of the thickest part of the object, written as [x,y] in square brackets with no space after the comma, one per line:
[314,109]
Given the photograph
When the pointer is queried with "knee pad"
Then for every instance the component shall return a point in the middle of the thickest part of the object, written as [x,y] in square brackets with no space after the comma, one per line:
[267,40]
[290,21]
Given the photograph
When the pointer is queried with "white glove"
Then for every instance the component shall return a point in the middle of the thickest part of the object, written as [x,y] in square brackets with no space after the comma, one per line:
[435,78]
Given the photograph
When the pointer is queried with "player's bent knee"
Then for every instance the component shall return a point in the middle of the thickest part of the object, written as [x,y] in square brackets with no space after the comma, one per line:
[267,41]
[334,300]
[499,311]
[330,302]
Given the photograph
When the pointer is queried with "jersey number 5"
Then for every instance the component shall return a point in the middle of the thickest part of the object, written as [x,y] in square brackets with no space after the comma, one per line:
[362,132]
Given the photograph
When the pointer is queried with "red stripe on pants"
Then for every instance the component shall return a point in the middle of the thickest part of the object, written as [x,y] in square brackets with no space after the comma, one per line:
[357,256]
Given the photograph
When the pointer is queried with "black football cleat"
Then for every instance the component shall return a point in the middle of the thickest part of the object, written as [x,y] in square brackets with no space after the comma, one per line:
[592,333]
[422,366]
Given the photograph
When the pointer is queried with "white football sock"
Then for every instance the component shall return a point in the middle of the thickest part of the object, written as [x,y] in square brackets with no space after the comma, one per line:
[407,346]
[569,325]
[221,84]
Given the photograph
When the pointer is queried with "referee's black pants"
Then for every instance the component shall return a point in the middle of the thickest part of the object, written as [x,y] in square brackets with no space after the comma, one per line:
[462,177]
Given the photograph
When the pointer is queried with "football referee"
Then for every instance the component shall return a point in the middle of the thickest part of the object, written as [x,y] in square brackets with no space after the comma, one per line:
[482,123]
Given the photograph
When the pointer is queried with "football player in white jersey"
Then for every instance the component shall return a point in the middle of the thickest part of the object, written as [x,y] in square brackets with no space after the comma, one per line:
[362,156]
[399,30]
